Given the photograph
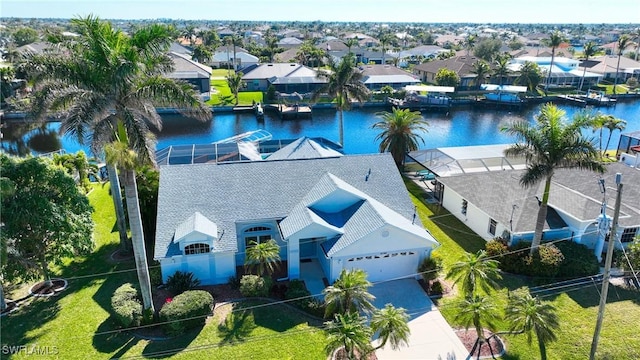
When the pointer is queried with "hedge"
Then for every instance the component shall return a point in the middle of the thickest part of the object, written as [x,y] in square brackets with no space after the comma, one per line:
[127,309]
[186,311]
[255,286]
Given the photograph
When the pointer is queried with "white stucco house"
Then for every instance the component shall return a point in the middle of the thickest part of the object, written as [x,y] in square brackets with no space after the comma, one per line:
[340,211]
[493,203]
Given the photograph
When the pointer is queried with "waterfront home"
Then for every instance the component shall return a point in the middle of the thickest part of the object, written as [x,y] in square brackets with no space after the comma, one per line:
[331,213]
[196,74]
[461,65]
[564,72]
[493,203]
[606,66]
[375,77]
[285,77]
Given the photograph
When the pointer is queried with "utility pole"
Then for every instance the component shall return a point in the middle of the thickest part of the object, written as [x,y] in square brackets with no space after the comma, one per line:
[607,268]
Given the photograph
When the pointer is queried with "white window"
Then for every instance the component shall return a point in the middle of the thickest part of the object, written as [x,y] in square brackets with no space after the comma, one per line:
[257,235]
[492,226]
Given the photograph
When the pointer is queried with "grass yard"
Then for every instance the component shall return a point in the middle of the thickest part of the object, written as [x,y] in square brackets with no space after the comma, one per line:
[77,324]
[577,309]
[223,95]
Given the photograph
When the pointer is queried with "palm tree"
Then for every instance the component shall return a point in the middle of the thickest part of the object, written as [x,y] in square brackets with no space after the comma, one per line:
[235,83]
[473,272]
[637,44]
[477,311]
[264,256]
[385,38]
[108,84]
[548,145]
[235,41]
[351,42]
[189,33]
[590,49]
[351,332]
[501,69]
[530,75]
[623,42]
[482,71]
[349,293]
[470,42]
[555,39]
[399,132]
[613,124]
[272,46]
[391,325]
[531,316]
[344,84]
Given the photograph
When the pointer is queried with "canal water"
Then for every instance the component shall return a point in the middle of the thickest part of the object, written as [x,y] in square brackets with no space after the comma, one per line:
[458,127]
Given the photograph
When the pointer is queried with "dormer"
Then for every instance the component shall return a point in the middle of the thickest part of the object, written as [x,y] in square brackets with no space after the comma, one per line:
[196,235]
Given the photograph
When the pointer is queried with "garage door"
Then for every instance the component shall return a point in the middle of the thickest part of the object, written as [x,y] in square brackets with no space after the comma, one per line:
[385,266]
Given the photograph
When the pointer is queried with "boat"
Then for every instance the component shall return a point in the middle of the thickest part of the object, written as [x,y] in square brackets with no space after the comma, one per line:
[507,95]
[596,97]
[259,110]
[424,97]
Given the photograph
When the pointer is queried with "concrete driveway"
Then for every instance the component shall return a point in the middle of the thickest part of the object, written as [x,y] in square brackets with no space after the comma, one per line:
[431,336]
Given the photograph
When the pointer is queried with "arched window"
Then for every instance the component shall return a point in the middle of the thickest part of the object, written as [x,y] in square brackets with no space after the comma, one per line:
[198,248]
[258,229]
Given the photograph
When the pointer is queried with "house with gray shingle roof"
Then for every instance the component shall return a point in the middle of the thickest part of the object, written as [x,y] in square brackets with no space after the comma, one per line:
[185,69]
[342,212]
[494,204]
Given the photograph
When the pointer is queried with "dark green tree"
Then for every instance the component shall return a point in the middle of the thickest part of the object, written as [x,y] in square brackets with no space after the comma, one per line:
[400,132]
[349,293]
[446,77]
[25,36]
[235,83]
[529,75]
[555,39]
[590,49]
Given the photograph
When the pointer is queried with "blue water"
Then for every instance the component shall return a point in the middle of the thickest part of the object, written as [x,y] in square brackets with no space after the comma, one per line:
[459,127]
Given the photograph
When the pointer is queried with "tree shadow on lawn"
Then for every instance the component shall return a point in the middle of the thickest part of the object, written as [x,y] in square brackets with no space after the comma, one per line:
[279,318]
[237,326]
[590,296]
[158,349]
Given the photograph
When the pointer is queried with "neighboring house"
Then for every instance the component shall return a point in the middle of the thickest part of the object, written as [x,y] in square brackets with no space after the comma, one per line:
[179,49]
[35,48]
[363,39]
[290,55]
[224,59]
[286,77]
[418,54]
[461,65]
[343,212]
[364,56]
[494,204]
[448,40]
[289,42]
[606,67]
[565,71]
[198,75]
[377,76]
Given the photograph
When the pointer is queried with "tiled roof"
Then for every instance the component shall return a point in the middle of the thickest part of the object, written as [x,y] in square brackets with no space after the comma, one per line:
[230,192]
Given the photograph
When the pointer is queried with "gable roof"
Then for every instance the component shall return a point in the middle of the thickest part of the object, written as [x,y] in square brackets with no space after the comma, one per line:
[270,70]
[306,148]
[196,223]
[242,191]
[462,65]
[185,68]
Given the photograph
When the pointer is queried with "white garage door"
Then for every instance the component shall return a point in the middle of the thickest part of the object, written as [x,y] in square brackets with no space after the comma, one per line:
[385,266]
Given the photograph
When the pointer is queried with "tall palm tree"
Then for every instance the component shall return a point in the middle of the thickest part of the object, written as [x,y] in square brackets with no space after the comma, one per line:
[399,132]
[235,41]
[551,143]
[272,46]
[470,42]
[349,293]
[385,39]
[235,83]
[532,316]
[344,84]
[623,42]
[477,311]
[391,325]
[351,332]
[555,39]
[108,85]
[264,256]
[501,69]
[590,49]
[530,75]
[612,123]
[637,44]
[475,271]
[482,71]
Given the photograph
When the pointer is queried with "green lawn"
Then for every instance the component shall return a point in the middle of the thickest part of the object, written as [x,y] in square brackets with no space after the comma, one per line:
[77,323]
[224,97]
[577,309]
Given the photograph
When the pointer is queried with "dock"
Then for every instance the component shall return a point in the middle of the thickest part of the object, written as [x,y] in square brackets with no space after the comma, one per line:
[292,112]
[573,99]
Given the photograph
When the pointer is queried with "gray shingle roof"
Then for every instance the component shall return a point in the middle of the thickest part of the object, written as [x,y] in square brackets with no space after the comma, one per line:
[230,192]
[572,191]
[196,223]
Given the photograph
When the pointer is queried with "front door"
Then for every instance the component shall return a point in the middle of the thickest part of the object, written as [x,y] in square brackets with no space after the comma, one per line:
[308,248]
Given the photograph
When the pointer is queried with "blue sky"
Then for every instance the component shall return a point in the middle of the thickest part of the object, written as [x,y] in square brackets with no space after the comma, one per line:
[429,11]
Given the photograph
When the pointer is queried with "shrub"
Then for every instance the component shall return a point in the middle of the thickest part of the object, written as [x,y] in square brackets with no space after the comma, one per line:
[255,286]
[578,260]
[305,301]
[127,309]
[436,288]
[496,248]
[429,269]
[180,282]
[186,311]
[155,274]
[546,261]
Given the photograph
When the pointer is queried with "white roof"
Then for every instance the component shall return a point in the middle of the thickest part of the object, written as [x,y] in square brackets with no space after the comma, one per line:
[474,152]
[430,88]
[196,223]
[507,88]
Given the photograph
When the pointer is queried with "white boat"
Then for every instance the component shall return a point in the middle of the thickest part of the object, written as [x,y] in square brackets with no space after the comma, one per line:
[503,94]
[425,96]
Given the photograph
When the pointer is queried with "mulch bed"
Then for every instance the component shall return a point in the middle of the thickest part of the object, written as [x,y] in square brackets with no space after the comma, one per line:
[11,305]
[121,255]
[468,338]
[341,354]
[43,289]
